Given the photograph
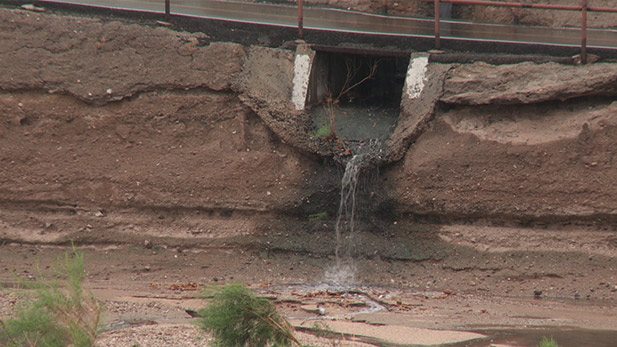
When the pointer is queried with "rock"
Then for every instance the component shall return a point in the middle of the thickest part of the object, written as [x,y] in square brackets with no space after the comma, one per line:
[526,83]
[591,58]
[147,244]
[123,131]
[188,48]
[311,308]
[193,313]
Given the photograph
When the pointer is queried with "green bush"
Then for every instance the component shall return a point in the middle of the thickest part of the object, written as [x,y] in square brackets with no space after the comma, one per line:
[323,131]
[316,217]
[548,342]
[59,314]
[236,317]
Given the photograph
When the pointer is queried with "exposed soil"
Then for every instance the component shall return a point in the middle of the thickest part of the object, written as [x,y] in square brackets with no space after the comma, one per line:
[165,165]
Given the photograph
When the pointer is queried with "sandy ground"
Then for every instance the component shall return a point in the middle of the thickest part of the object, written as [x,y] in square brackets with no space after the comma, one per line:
[146,293]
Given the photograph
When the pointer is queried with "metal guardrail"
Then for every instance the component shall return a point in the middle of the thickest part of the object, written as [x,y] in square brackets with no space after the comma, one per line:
[583,8]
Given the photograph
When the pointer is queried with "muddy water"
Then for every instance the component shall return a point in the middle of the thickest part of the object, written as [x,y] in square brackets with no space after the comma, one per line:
[532,337]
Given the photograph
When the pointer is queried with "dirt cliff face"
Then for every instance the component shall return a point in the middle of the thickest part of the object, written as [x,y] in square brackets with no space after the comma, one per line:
[117,132]
[546,155]
[488,165]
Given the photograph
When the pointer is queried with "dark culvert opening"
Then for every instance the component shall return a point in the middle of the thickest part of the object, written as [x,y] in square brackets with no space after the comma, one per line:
[357,95]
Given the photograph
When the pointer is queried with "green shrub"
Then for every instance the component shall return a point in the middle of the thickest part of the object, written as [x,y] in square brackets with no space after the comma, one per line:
[323,131]
[548,342]
[59,314]
[316,217]
[236,317]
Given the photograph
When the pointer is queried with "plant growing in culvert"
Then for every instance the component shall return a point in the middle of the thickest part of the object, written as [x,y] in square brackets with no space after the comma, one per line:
[237,317]
[61,312]
[352,69]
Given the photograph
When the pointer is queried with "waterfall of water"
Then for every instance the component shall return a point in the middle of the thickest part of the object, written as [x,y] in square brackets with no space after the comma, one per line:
[344,269]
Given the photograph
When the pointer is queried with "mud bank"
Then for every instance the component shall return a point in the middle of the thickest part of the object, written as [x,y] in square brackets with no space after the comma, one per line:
[113,130]
[118,132]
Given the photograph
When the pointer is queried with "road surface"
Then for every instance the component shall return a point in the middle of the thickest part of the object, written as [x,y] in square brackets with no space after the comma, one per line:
[356,22]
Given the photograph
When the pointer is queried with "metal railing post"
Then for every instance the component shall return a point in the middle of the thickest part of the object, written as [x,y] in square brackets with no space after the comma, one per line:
[437,30]
[167,9]
[300,19]
[584,33]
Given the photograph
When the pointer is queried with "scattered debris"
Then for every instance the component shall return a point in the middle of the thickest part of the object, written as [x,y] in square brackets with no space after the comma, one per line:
[192,313]
[31,7]
[186,287]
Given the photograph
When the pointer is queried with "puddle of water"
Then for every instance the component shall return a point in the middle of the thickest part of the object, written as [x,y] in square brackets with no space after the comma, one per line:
[532,337]
[358,122]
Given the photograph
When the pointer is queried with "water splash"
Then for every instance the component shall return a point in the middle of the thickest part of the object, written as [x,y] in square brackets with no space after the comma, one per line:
[344,270]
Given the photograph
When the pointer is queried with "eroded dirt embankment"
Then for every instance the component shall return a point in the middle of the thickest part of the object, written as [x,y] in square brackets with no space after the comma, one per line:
[114,131]
[117,132]
[523,141]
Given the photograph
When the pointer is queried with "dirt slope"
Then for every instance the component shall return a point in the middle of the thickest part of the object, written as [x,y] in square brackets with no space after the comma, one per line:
[148,146]
[110,135]
[115,128]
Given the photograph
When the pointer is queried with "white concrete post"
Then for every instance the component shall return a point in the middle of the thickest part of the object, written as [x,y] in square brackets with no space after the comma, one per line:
[416,76]
[302,73]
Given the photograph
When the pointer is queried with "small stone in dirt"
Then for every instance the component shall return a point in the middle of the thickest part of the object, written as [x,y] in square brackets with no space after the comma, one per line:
[311,308]
[537,294]
[192,313]
[449,291]
[147,244]
[147,268]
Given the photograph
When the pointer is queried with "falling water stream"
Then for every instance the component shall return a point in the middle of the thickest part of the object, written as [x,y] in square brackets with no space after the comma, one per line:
[343,272]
